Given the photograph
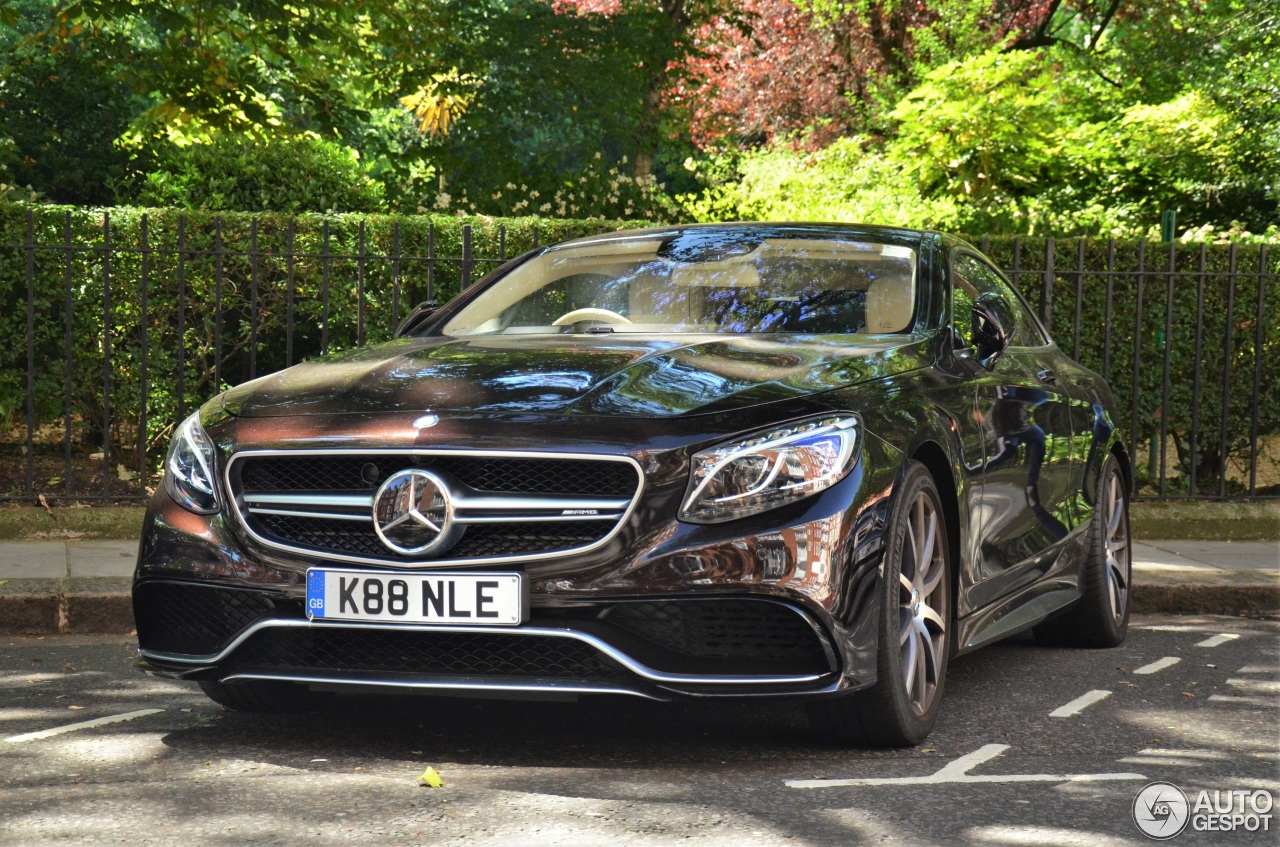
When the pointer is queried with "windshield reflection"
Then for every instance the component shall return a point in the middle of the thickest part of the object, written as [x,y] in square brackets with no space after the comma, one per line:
[736,281]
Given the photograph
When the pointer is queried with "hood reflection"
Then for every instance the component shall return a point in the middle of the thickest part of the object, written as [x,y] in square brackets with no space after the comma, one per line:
[576,375]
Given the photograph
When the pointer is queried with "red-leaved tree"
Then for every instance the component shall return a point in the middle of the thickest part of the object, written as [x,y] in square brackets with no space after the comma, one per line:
[815,70]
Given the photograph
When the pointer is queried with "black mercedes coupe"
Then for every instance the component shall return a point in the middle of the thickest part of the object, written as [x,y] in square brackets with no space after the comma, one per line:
[800,460]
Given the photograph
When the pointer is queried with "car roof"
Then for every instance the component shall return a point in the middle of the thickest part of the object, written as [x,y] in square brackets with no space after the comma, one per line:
[894,235]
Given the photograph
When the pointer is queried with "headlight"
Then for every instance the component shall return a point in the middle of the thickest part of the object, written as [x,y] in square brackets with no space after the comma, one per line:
[770,469]
[189,469]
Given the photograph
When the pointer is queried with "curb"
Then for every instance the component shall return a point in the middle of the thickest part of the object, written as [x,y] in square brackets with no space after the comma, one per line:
[66,607]
[1247,599]
[67,611]
[66,614]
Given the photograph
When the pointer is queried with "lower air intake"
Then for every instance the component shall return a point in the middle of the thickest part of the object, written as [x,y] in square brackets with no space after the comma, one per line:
[181,617]
[424,653]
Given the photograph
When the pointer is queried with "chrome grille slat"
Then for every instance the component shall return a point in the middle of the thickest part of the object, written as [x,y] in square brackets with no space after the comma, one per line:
[302,513]
[517,507]
[325,510]
[329,501]
[518,503]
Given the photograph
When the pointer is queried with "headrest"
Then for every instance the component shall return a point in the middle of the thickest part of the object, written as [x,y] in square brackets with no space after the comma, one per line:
[727,274]
[890,302]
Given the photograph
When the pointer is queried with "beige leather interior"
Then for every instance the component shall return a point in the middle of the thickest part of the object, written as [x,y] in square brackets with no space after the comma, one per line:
[734,273]
[667,300]
[889,305]
[657,301]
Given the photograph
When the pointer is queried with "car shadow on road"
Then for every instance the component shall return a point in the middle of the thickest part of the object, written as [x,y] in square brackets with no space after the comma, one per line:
[600,731]
[613,731]
[593,732]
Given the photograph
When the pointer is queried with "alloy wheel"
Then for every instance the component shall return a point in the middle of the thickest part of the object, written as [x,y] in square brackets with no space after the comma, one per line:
[922,604]
[1115,547]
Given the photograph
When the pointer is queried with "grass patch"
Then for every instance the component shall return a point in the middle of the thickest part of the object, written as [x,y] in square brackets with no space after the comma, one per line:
[33,523]
[1258,520]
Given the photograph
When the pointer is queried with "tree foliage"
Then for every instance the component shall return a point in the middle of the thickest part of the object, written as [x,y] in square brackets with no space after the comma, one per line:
[1068,118]
[186,72]
[1085,116]
[60,116]
[249,66]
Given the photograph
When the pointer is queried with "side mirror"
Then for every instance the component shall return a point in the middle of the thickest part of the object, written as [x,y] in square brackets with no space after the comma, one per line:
[421,313]
[992,328]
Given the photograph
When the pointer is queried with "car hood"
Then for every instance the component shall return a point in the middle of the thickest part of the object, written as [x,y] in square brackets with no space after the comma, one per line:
[614,376]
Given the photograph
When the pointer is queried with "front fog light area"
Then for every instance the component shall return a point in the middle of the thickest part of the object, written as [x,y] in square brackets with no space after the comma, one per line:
[769,469]
[188,470]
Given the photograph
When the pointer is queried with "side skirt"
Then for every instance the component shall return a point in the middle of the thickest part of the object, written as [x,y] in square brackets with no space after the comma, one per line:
[1054,590]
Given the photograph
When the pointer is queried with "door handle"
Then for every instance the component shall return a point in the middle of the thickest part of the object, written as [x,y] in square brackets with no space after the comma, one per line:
[1047,376]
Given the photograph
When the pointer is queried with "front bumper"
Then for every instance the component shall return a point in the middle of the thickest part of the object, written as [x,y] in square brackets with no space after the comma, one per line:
[779,605]
[657,650]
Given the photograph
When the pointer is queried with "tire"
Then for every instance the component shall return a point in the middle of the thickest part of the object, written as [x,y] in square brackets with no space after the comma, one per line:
[260,695]
[915,629]
[1101,617]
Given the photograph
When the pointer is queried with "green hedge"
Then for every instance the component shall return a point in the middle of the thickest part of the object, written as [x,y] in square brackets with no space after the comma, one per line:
[1108,346]
[279,174]
[210,366]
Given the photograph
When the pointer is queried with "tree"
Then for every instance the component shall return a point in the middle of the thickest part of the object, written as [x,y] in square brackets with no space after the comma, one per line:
[664,35]
[60,114]
[1026,116]
[554,105]
[783,77]
[245,67]
[196,71]
[820,69]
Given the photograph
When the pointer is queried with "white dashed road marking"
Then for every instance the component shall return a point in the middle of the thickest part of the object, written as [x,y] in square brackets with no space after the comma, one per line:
[1025,836]
[1158,665]
[1181,758]
[1079,704]
[1256,686]
[1218,639]
[73,727]
[958,771]
[1260,702]
[1253,691]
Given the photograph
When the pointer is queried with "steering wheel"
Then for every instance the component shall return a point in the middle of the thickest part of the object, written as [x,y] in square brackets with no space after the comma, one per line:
[590,314]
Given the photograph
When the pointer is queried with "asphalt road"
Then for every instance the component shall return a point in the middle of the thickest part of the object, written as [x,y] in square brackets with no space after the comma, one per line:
[630,772]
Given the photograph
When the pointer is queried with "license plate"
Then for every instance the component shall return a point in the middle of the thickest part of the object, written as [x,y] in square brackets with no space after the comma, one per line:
[474,599]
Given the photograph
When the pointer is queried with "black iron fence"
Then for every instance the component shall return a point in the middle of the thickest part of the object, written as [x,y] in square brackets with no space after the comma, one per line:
[118,323]
[1185,334]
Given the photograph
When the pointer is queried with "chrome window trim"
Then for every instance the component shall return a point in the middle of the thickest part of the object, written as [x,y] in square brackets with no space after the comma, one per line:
[236,509]
[590,640]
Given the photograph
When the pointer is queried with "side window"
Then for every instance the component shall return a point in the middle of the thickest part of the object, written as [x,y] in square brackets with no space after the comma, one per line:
[970,279]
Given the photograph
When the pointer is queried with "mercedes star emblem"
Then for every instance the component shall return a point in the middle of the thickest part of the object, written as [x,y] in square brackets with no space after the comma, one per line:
[413,512]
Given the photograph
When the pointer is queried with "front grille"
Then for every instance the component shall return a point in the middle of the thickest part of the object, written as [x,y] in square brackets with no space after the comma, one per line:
[424,653]
[508,506]
[179,617]
[730,629]
[479,542]
[486,540]
[498,474]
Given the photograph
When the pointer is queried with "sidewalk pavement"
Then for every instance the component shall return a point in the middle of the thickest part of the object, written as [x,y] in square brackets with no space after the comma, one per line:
[51,587]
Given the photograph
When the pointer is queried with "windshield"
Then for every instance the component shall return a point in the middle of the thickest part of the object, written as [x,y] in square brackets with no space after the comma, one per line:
[701,281]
